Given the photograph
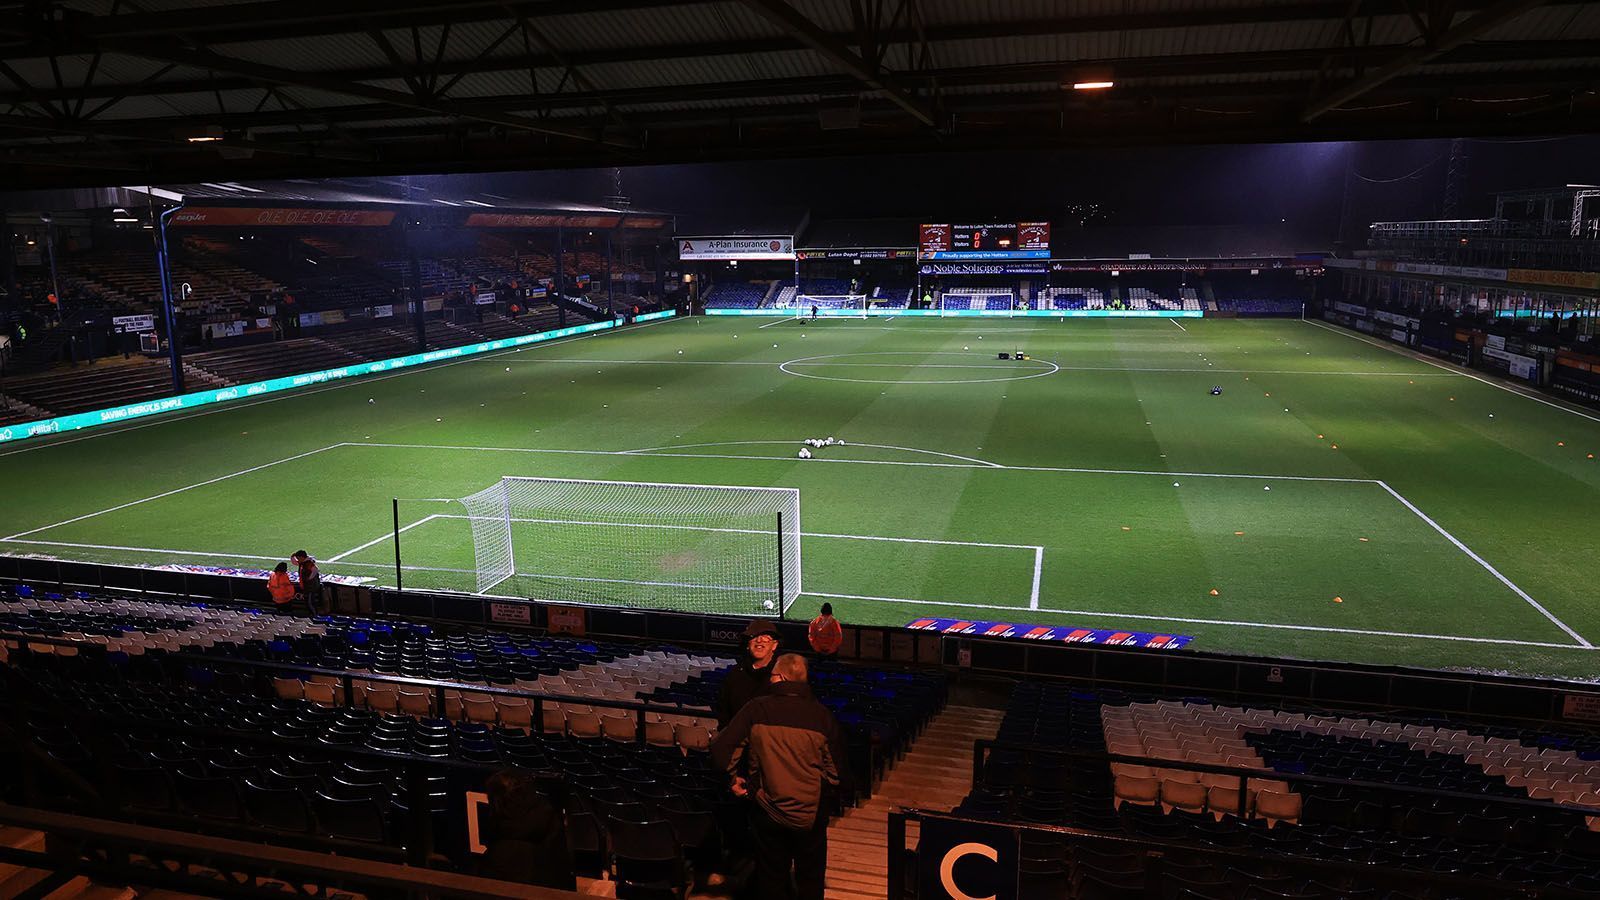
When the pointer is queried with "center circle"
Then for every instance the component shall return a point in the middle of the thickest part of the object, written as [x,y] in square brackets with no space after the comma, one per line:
[838,359]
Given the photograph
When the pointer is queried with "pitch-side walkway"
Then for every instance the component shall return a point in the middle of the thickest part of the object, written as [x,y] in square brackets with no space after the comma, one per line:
[935,775]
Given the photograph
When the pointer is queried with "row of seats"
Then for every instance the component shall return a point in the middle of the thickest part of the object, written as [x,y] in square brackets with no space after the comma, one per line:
[1465,833]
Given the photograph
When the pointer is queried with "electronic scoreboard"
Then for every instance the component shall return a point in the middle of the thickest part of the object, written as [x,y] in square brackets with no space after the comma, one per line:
[1002,240]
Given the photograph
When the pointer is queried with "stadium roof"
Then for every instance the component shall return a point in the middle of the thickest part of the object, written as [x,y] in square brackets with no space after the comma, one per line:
[103,91]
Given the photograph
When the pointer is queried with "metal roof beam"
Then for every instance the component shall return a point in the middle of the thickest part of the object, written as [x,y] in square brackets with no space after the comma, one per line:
[1405,61]
[263,74]
[804,30]
[285,19]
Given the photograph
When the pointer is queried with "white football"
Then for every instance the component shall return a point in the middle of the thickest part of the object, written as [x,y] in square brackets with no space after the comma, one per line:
[768,604]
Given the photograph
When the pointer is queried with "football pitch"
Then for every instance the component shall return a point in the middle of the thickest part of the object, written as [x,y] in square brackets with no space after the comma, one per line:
[1337,500]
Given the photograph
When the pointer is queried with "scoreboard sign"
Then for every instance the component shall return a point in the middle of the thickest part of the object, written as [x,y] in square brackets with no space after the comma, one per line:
[1007,240]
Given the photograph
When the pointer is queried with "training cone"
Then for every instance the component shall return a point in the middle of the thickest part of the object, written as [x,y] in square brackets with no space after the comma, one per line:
[1213,592]
[1335,446]
[1338,599]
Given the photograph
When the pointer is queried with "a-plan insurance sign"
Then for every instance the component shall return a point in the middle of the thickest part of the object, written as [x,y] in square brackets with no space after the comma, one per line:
[735,248]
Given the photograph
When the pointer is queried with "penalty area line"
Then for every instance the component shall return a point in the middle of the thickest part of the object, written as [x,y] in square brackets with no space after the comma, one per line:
[382,537]
[1487,567]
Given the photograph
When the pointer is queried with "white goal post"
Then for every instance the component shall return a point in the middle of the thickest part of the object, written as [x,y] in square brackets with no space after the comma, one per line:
[831,305]
[647,545]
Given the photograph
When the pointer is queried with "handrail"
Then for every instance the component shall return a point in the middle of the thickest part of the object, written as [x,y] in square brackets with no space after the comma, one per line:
[983,745]
[251,856]
[1159,850]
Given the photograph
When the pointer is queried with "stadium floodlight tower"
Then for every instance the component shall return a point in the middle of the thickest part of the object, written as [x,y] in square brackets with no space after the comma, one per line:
[644,545]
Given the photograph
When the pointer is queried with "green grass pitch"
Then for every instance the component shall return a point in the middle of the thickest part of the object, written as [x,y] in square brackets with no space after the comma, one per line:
[1342,500]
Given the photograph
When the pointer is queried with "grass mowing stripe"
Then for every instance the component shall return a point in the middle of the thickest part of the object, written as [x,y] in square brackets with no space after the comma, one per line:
[322,388]
[865,462]
[1494,384]
[1487,567]
[187,487]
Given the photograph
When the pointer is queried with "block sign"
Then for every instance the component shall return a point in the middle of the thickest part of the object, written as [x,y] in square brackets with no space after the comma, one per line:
[962,860]
[573,620]
[510,613]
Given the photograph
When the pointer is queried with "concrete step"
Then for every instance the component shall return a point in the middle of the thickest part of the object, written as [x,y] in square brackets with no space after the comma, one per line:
[81,888]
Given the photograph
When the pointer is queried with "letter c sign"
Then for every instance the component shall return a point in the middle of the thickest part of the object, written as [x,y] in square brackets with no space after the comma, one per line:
[948,864]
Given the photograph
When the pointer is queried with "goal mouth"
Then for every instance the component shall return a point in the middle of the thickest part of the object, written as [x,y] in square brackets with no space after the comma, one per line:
[831,305]
[720,549]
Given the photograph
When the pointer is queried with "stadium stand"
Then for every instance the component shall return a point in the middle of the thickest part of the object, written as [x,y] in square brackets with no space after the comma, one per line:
[1071,298]
[350,733]
[979,298]
[736,295]
[108,383]
[891,295]
[1430,796]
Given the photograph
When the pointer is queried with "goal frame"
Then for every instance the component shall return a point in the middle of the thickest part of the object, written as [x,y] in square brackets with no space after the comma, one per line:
[497,530]
[802,306]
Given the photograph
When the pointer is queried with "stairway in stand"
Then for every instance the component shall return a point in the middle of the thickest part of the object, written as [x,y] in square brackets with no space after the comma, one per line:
[935,775]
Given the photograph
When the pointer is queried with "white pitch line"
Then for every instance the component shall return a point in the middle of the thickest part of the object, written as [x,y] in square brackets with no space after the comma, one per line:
[1038,570]
[779,322]
[330,386]
[381,538]
[1190,621]
[1210,370]
[904,600]
[865,462]
[1486,565]
[1458,372]
[708,528]
[180,490]
[1180,325]
[644,450]
[140,549]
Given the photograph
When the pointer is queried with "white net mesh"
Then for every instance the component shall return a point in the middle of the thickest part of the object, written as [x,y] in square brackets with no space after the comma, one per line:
[702,548]
[830,304]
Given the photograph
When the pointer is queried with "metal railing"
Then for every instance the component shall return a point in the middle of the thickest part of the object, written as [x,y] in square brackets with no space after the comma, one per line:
[1163,862]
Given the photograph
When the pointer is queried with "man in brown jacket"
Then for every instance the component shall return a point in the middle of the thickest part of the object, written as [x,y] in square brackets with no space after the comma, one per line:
[797,765]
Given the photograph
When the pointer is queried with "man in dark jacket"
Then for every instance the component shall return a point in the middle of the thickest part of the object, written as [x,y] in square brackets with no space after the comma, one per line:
[524,834]
[794,752]
[749,678]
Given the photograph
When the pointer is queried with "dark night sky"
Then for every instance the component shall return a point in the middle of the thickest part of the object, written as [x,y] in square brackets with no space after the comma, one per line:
[1301,184]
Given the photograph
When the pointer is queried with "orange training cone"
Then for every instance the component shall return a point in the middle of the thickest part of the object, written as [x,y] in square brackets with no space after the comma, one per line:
[1213,592]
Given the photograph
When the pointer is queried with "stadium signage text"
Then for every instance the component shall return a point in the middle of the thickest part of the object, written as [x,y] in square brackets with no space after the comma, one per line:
[867,253]
[115,414]
[735,248]
[280,216]
[974,268]
[130,324]
[531,220]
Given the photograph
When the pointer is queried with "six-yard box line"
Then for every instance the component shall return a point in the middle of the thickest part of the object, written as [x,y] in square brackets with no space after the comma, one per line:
[1578,640]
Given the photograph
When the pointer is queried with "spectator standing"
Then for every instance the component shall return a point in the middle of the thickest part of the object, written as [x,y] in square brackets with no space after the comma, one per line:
[525,837]
[749,679]
[310,580]
[281,589]
[825,633]
[795,754]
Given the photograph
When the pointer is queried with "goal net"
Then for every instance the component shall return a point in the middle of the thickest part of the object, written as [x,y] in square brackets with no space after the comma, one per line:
[690,547]
[831,305]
